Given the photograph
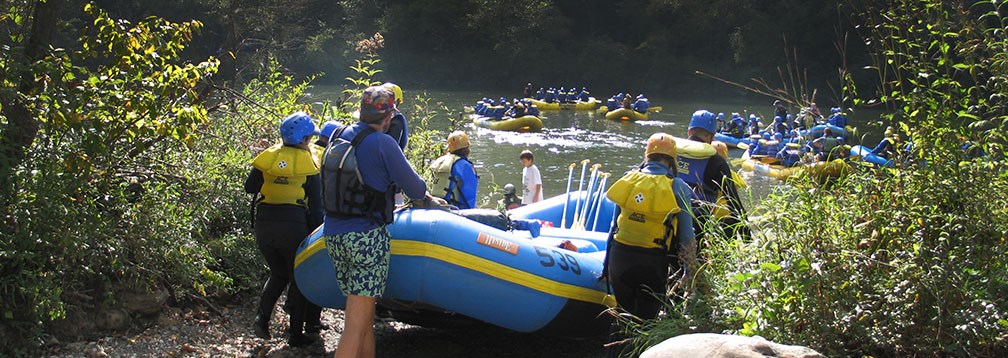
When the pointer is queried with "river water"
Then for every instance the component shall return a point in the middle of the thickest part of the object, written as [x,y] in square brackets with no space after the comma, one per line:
[573,136]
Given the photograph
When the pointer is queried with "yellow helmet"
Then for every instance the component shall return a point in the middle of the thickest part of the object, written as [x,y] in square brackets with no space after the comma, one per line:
[721,148]
[661,143]
[395,89]
[457,140]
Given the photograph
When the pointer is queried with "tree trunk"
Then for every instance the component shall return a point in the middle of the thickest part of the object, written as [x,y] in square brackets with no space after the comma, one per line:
[22,125]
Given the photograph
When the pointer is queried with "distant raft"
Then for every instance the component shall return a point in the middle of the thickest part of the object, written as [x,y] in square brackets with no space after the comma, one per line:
[733,142]
[624,114]
[445,264]
[519,124]
[573,106]
[865,154]
[768,166]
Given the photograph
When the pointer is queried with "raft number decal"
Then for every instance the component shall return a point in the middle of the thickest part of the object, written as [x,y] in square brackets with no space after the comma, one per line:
[565,261]
[497,243]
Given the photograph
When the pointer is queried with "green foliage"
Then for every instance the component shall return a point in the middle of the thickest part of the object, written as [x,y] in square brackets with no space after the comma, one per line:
[116,190]
[890,262]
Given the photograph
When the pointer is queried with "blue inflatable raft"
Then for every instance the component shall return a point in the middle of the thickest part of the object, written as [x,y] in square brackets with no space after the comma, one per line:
[444,263]
[818,130]
[733,142]
[866,154]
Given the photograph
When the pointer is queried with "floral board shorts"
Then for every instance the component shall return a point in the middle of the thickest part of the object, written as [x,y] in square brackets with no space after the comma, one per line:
[361,260]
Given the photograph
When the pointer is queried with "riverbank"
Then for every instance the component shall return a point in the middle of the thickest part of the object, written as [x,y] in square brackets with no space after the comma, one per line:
[205,331]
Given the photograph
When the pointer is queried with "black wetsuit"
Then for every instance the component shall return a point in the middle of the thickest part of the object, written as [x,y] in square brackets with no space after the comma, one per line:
[279,229]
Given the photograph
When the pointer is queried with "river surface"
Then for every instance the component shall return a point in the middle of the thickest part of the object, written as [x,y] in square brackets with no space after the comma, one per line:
[573,136]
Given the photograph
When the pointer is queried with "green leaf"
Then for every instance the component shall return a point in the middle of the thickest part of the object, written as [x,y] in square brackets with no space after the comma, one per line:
[772,267]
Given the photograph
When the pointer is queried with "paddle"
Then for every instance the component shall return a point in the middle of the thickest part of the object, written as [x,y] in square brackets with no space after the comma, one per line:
[742,146]
[570,177]
[654,109]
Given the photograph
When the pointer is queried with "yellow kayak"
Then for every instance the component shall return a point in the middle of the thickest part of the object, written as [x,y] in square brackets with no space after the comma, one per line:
[623,114]
[574,106]
[523,123]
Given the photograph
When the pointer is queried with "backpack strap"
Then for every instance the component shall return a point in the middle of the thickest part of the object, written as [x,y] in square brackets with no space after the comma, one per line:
[360,136]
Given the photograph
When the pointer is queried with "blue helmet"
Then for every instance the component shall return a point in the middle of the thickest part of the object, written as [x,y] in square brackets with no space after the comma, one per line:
[790,117]
[766,135]
[296,127]
[703,119]
[752,116]
[778,136]
[640,96]
[328,128]
[835,110]
[720,115]
[776,118]
[503,100]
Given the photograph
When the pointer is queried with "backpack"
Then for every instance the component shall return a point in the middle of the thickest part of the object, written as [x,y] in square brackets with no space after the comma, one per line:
[343,190]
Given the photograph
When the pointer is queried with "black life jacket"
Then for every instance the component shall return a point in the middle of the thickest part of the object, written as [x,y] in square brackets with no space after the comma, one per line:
[344,193]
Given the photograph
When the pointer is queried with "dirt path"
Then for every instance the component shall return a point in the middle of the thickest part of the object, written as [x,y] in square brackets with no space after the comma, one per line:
[226,332]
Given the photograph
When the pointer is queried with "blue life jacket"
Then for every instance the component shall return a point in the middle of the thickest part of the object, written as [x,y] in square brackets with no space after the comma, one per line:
[692,171]
[612,104]
[641,105]
[771,148]
[839,120]
[789,157]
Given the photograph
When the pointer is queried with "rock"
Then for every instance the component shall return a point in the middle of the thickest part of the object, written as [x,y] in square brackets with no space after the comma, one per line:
[722,345]
[94,350]
[144,303]
[115,319]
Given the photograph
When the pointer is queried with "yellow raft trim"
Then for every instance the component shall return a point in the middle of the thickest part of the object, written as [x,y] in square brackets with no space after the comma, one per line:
[479,264]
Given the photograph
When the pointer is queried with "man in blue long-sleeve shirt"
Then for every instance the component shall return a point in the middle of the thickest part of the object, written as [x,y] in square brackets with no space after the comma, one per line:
[357,237]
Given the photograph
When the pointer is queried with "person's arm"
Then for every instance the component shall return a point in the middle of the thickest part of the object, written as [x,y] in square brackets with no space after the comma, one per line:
[685,240]
[728,188]
[254,182]
[400,170]
[313,191]
[538,195]
[881,147]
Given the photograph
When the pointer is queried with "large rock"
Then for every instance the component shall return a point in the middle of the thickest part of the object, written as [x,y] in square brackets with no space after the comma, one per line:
[722,345]
[142,302]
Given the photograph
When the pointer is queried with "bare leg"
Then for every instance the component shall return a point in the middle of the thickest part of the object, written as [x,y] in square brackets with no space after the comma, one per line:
[358,328]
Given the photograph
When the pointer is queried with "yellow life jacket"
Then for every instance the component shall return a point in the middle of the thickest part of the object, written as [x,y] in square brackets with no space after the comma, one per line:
[285,170]
[646,201]
[441,167]
[693,149]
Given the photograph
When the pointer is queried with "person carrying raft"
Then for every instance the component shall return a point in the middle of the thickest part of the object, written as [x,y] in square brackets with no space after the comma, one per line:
[653,231]
[358,210]
[710,178]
